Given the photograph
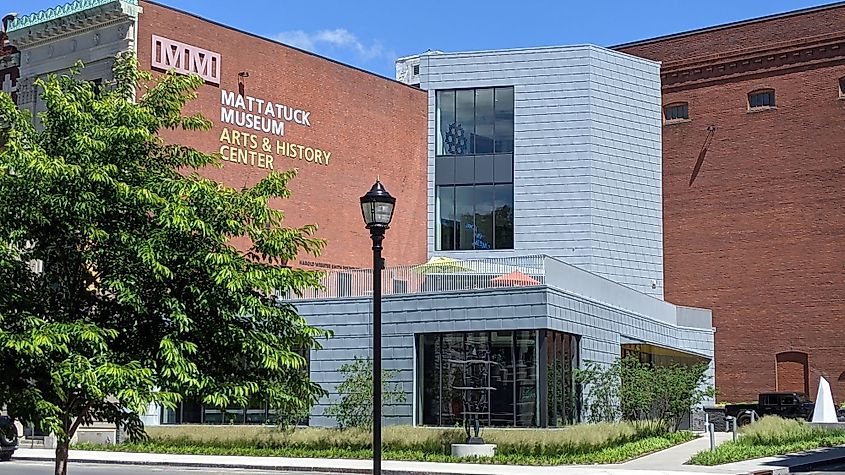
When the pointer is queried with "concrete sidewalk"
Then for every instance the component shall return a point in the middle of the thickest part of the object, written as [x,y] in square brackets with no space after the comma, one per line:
[667,462]
[675,457]
[328,465]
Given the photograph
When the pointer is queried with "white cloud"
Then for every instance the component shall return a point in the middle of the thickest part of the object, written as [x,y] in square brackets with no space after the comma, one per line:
[323,41]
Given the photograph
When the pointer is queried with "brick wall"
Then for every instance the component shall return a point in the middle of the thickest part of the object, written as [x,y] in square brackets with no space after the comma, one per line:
[759,237]
[372,126]
[766,32]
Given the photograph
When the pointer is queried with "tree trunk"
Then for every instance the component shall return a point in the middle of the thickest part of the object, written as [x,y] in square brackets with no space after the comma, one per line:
[61,457]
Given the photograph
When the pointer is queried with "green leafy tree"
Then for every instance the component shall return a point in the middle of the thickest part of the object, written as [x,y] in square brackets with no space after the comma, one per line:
[142,298]
[679,388]
[355,407]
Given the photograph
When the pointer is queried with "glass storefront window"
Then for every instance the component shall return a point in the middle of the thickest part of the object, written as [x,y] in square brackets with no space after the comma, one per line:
[525,379]
[501,372]
[451,361]
[563,405]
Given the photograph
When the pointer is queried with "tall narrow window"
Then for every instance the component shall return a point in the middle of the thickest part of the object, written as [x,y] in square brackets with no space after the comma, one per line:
[474,169]
[841,87]
[445,117]
[761,99]
[676,112]
[447,227]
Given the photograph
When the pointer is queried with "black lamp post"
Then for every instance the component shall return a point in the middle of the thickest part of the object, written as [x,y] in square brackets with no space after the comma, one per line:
[377,207]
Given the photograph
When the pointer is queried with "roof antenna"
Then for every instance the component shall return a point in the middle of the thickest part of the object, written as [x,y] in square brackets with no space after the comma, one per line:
[710,131]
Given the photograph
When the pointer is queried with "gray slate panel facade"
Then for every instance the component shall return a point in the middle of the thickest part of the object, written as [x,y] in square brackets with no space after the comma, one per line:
[603,313]
[587,155]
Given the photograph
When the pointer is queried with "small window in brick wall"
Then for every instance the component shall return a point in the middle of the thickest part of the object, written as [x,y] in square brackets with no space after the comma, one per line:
[763,99]
[842,87]
[676,112]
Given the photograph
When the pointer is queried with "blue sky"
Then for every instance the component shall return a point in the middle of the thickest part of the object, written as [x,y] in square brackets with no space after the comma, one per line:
[372,34]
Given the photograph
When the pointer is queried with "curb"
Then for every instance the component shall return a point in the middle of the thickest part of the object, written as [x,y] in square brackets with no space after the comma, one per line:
[768,471]
[266,468]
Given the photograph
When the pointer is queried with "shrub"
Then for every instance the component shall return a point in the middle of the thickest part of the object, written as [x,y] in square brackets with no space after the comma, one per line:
[355,408]
[634,391]
[771,435]
[586,443]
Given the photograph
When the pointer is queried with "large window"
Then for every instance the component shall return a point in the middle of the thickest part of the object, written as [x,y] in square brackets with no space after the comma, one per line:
[509,369]
[475,216]
[474,121]
[474,169]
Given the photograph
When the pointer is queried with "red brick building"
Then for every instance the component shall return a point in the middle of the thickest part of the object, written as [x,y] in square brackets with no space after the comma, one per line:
[274,107]
[759,236]
[359,126]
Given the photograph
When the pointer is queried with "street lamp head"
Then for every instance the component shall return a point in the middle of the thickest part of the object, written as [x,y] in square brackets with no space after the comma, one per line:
[377,207]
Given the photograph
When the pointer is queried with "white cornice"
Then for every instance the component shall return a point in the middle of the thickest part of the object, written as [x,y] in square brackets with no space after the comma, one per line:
[73,24]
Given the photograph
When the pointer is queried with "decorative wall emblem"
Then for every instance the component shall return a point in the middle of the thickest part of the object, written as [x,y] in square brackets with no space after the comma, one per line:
[185,59]
[455,140]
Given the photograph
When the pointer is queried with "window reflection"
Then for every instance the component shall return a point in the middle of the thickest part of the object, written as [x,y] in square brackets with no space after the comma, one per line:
[448,228]
[483,230]
[465,215]
[561,398]
[475,217]
[463,131]
[504,120]
[474,121]
[258,411]
[445,117]
[503,216]
[484,121]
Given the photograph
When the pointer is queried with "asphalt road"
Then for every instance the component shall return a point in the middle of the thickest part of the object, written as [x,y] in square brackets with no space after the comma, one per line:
[836,468]
[44,468]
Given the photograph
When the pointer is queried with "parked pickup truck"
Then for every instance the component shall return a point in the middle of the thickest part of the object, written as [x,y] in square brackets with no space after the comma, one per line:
[784,404]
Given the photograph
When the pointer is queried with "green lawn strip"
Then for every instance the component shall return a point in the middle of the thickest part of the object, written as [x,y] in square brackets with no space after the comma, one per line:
[738,451]
[613,454]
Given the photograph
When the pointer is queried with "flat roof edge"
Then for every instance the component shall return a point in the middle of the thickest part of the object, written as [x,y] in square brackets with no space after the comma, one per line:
[276,42]
[724,26]
[530,49]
